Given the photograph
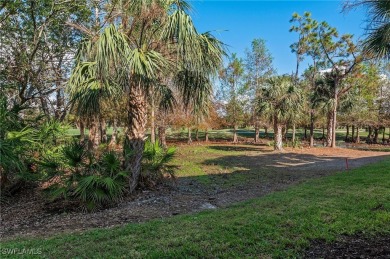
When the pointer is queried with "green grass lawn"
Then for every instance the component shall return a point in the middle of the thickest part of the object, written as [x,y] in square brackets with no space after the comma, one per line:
[278,225]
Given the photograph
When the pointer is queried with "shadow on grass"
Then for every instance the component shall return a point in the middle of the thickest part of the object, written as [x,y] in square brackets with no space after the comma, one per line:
[256,147]
[272,169]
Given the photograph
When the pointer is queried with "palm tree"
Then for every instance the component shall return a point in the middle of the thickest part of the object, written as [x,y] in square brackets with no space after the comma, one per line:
[377,41]
[322,96]
[144,43]
[279,98]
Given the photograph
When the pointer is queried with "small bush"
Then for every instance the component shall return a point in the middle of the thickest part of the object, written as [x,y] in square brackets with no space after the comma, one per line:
[79,175]
[96,180]
[155,164]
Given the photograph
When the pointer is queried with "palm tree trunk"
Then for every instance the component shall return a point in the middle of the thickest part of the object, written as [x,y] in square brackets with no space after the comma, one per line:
[135,134]
[278,135]
[114,133]
[235,138]
[82,130]
[162,135]
[94,133]
[103,130]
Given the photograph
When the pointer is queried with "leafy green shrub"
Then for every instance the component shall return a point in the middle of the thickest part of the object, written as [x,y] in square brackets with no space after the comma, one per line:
[79,175]
[155,164]
[22,144]
[97,181]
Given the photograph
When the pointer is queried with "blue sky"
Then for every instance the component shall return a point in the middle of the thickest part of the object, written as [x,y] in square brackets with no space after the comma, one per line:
[237,23]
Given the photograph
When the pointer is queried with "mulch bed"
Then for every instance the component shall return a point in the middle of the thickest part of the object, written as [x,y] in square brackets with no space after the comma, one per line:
[355,246]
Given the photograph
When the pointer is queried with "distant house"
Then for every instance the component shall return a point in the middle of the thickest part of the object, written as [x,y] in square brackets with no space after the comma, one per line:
[330,70]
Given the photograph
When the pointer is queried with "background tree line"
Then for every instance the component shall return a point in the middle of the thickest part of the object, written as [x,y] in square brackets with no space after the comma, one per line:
[142,68]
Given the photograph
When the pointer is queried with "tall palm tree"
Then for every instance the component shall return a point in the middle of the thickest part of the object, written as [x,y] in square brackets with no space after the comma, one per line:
[280,97]
[377,42]
[322,97]
[145,42]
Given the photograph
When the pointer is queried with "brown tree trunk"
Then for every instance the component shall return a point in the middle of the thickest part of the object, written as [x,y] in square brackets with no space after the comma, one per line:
[329,134]
[384,135]
[197,134]
[103,130]
[257,131]
[162,136]
[114,133]
[44,106]
[266,132]
[353,133]
[334,123]
[285,131]
[293,134]
[94,133]
[135,134]
[207,135]
[376,135]
[60,111]
[82,130]
[357,135]
[311,128]
[369,132]
[235,138]
[305,132]
[278,135]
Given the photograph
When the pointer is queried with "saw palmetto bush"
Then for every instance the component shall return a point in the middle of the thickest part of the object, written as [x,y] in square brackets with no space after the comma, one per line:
[99,180]
[155,164]
[79,175]
[22,145]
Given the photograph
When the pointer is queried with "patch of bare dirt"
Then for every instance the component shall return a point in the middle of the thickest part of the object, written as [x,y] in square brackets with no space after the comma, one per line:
[28,214]
[356,246]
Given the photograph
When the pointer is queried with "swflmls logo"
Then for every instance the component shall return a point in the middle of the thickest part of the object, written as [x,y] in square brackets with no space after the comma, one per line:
[21,251]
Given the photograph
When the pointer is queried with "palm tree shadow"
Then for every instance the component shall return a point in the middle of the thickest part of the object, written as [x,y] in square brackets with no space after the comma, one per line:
[273,168]
[257,147]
